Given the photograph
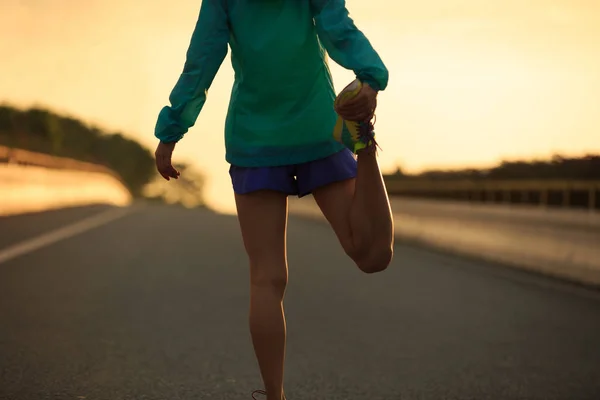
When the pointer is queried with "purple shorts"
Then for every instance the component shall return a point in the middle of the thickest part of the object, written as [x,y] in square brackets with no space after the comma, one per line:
[298,179]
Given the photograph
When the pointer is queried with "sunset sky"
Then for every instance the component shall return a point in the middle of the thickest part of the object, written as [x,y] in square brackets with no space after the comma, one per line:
[472,82]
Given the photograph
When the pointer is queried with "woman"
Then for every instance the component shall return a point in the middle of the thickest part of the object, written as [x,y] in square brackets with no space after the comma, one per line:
[283,137]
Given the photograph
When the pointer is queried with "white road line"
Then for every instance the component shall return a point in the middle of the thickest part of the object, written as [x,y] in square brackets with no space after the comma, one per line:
[65,232]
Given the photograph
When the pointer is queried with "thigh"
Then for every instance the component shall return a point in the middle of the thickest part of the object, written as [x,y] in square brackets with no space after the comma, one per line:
[335,201]
[332,182]
[314,175]
[262,217]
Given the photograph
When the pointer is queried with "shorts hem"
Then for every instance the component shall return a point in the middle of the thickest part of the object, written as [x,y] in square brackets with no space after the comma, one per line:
[322,185]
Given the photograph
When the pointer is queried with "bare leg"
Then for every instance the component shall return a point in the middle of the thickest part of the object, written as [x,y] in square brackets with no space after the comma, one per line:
[359,212]
[263,219]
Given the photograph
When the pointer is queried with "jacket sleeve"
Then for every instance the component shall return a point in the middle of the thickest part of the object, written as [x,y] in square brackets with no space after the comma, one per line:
[346,44]
[206,52]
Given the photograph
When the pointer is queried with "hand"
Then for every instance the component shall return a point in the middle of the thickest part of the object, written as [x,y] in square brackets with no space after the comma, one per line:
[360,108]
[163,155]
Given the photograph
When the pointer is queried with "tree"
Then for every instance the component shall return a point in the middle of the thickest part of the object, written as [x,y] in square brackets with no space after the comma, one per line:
[41,130]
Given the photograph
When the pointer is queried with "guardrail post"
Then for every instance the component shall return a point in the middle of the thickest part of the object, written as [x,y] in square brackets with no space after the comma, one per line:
[566,198]
[543,198]
[539,192]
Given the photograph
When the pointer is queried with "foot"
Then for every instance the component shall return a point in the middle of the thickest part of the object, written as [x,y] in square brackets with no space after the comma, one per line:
[355,136]
[352,134]
[260,392]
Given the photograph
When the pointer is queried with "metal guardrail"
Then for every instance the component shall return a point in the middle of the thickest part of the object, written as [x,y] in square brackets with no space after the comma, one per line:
[561,193]
[22,157]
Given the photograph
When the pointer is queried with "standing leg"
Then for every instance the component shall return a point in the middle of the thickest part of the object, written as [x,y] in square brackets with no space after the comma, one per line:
[263,218]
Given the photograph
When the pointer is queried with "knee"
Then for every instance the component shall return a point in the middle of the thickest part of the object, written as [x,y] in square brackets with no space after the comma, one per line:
[377,261]
[270,279]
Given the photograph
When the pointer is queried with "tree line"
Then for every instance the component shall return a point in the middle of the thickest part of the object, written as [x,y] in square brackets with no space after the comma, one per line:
[41,130]
[556,168]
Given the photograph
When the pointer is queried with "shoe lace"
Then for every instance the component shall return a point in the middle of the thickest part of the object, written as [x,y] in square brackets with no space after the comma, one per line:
[366,131]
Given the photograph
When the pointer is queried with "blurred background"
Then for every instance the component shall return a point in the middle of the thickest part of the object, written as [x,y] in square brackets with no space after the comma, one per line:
[490,137]
[473,84]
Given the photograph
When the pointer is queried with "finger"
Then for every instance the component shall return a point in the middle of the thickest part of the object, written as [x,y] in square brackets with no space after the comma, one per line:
[173,173]
[362,111]
[163,172]
[371,113]
[353,104]
[360,116]
[168,168]
[164,166]
[160,168]
[356,115]
[164,175]
[354,109]
[351,114]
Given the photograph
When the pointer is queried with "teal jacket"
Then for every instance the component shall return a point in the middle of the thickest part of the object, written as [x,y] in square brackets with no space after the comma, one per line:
[281,106]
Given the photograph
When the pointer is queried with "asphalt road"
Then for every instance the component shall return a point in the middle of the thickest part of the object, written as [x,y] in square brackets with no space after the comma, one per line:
[154,306]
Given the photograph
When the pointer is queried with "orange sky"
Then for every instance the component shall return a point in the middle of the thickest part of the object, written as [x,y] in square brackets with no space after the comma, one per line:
[472,81]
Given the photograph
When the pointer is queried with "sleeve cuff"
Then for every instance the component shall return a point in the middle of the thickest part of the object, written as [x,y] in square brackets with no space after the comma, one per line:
[371,82]
[166,130]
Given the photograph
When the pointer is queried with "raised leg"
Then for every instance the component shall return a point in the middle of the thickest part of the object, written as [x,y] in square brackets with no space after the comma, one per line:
[360,214]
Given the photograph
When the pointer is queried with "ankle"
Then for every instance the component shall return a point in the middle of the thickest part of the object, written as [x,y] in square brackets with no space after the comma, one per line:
[268,395]
[368,152]
[274,396]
